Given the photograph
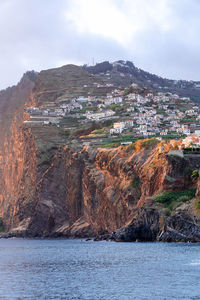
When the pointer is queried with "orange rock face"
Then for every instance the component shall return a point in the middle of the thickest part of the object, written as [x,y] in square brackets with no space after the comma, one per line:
[82,191]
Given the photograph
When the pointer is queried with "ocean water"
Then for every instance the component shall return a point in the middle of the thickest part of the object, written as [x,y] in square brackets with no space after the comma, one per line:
[77,269]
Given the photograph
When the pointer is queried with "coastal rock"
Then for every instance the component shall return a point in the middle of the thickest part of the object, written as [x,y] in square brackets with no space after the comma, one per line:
[181,227]
[150,225]
[144,227]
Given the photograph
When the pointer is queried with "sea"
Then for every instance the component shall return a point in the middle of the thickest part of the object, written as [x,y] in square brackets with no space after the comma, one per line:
[88,270]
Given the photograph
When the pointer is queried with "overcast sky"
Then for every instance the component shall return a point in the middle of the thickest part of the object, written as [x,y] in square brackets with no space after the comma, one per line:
[159,36]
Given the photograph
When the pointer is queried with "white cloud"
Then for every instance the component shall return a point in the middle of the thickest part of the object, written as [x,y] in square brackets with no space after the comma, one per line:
[119,22]
[161,36]
[102,18]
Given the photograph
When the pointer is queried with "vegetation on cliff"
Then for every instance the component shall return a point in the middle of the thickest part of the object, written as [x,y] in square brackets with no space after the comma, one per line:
[171,199]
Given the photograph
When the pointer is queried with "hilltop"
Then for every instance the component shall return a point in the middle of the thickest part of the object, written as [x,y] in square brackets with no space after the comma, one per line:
[124,73]
[67,82]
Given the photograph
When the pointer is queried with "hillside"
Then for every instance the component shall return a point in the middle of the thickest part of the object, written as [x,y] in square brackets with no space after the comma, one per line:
[66,82]
[125,73]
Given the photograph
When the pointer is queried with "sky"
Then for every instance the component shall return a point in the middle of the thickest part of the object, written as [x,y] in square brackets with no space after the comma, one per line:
[159,36]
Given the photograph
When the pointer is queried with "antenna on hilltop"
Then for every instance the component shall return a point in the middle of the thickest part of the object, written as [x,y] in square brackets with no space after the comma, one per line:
[93,61]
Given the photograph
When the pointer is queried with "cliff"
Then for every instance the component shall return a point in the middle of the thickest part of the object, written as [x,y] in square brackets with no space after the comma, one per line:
[50,187]
[82,192]
[12,101]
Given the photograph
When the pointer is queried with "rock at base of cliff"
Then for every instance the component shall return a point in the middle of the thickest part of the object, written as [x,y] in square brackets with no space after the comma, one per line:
[80,229]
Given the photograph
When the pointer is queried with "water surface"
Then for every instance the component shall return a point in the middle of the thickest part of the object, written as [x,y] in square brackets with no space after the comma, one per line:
[76,269]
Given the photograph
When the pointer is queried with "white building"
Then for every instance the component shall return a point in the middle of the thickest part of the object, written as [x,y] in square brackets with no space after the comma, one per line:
[45,112]
[126,143]
[130,109]
[46,122]
[197,132]
[186,131]
[109,113]
[119,125]
[132,96]
[77,106]
[143,127]
[64,105]
[95,116]
[118,100]
[82,99]
[128,123]
[116,130]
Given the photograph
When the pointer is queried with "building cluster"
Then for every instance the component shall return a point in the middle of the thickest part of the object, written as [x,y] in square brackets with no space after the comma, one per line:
[159,114]
[144,115]
[89,108]
[192,140]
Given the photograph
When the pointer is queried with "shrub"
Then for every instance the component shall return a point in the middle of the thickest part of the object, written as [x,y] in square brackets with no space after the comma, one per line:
[168,198]
[195,175]
[183,198]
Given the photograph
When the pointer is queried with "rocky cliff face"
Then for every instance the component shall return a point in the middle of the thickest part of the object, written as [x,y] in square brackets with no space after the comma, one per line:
[12,102]
[18,176]
[13,160]
[80,191]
